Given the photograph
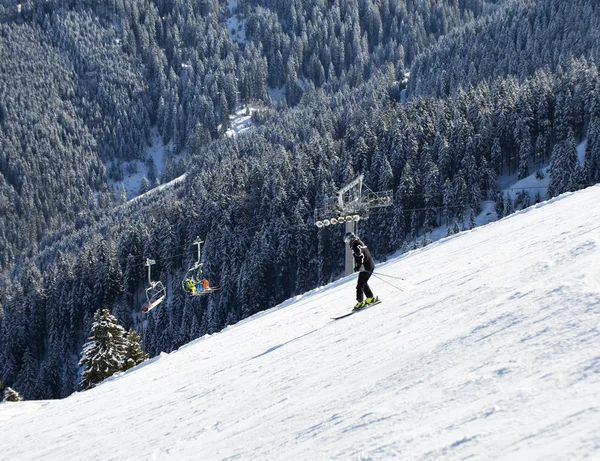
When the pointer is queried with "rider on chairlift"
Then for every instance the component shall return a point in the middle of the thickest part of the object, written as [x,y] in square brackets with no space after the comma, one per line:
[196,283]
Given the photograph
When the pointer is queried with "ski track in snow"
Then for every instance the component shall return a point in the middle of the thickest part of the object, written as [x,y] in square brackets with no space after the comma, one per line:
[490,351]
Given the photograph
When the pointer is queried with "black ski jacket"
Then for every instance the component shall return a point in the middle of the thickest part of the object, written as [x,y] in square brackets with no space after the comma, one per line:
[362,256]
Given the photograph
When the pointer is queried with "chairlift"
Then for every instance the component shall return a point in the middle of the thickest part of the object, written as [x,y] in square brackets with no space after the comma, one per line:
[155,293]
[194,283]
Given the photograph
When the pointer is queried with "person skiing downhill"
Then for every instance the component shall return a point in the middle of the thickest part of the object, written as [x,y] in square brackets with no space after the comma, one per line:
[362,260]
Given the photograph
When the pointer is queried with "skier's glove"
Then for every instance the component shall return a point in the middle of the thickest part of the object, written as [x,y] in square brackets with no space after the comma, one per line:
[356,268]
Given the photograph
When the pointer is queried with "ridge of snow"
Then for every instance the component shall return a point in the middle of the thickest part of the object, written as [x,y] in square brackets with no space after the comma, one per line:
[485,346]
[160,188]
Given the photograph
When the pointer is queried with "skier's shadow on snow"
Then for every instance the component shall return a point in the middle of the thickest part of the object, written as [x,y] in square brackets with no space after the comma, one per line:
[274,348]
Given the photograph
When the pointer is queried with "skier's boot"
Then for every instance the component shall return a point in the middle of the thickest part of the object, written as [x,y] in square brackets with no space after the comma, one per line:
[359,305]
[372,300]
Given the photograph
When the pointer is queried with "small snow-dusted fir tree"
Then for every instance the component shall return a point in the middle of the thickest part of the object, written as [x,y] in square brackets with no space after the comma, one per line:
[564,167]
[508,206]
[426,240]
[10,395]
[455,229]
[104,352]
[133,351]
[405,247]
[499,207]
[144,186]
[122,194]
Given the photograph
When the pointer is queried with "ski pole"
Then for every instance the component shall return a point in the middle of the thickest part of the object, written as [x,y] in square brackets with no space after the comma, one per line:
[394,286]
[385,275]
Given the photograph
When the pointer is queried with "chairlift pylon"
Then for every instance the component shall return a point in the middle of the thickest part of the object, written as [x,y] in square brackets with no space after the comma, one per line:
[352,203]
[156,292]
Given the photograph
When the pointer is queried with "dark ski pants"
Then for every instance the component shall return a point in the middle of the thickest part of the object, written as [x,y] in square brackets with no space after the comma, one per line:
[362,286]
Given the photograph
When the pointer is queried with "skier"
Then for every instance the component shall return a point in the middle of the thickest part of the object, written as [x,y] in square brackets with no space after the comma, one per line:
[364,260]
[205,284]
[200,281]
[197,284]
[190,285]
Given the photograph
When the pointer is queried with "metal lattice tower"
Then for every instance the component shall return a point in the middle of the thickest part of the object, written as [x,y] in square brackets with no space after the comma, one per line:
[350,205]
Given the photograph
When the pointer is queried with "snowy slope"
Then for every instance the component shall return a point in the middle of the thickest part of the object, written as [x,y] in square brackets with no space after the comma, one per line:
[490,351]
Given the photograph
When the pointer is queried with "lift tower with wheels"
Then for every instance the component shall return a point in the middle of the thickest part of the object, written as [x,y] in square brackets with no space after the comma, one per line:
[350,205]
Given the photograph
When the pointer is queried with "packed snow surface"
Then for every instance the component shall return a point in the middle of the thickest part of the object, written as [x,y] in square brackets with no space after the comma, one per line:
[487,348]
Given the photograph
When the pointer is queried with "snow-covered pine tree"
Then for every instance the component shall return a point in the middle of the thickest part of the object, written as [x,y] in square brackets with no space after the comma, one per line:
[448,229]
[397,230]
[455,229]
[10,395]
[104,352]
[540,149]
[523,200]
[508,205]
[122,194]
[499,207]
[538,197]
[426,240]
[27,380]
[405,247]
[523,139]
[564,167]
[144,186]
[133,351]
[592,152]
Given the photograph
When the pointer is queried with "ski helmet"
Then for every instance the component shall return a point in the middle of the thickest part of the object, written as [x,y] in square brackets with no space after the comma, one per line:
[349,236]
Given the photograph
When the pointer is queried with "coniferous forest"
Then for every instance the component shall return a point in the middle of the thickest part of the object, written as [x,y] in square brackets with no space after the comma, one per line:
[434,100]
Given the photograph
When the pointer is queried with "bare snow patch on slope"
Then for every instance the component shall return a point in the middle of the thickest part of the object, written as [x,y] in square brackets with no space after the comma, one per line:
[241,121]
[236,28]
[134,171]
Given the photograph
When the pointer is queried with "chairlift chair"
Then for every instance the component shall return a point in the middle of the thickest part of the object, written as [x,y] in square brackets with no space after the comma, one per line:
[194,273]
[156,292]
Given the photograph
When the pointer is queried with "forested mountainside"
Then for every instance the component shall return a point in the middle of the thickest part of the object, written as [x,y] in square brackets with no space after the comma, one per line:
[83,83]
[516,41]
[252,197]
